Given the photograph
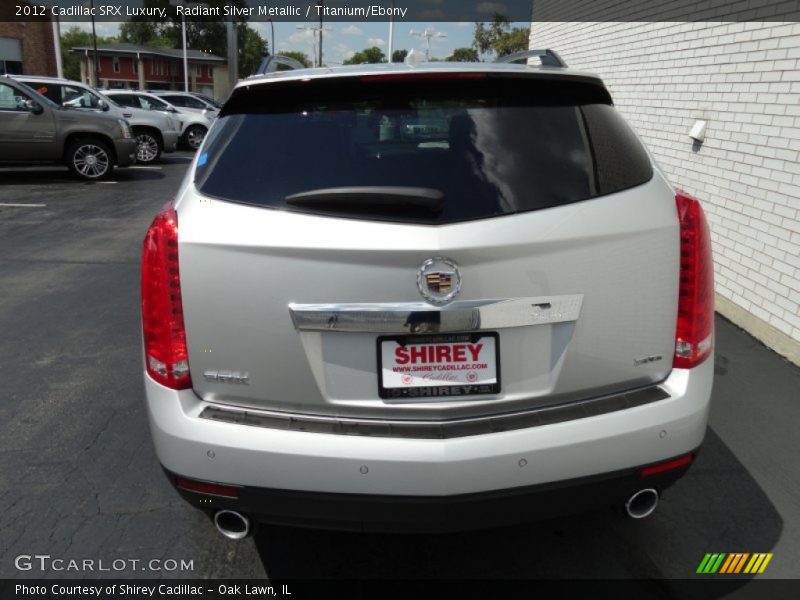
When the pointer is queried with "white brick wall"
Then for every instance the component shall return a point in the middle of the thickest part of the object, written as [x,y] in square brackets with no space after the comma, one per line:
[744,80]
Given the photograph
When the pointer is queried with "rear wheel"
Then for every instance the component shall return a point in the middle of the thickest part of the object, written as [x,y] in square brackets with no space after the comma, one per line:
[148,146]
[193,137]
[90,159]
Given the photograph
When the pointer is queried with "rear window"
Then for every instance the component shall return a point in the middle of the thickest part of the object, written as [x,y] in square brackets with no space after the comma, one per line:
[482,145]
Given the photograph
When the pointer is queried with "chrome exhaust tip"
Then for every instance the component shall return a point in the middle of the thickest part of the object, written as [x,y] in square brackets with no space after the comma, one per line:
[642,504]
[233,525]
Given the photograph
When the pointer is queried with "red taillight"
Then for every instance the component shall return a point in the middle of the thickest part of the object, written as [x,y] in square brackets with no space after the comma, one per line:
[694,336]
[203,487]
[670,465]
[165,354]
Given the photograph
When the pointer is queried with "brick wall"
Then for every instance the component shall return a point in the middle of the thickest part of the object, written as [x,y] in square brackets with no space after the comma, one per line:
[38,55]
[744,80]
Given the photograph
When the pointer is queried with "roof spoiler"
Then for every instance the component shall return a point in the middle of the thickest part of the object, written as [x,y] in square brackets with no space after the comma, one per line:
[270,64]
[549,58]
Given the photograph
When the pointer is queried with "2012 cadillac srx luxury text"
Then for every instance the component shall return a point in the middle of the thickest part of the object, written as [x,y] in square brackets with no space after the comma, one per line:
[425,298]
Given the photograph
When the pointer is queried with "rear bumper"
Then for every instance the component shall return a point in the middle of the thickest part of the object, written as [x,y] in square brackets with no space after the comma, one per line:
[267,460]
[431,514]
[170,140]
[126,152]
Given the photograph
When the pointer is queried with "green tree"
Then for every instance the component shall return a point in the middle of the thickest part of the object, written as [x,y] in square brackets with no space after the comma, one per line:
[464,55]
[252,48]
[499,38]
[143,33]
[368,55]
[300,57]
[399,56]
[71,38]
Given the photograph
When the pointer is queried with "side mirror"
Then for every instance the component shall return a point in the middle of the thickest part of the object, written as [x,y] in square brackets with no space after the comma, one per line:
[102,105]
[33,107]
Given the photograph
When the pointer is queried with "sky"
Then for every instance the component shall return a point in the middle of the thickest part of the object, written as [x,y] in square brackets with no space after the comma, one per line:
[342,39]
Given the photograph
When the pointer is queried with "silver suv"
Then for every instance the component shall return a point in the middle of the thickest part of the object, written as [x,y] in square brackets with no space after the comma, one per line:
[155,132]
[34,129]
[452,296]
[195,125]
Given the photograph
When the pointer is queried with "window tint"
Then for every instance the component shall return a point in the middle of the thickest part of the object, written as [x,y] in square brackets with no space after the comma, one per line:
[75,97]
[126,100]
[491,146]
[175,100]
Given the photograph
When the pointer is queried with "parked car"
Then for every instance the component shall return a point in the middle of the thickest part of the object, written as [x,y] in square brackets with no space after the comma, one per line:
[155,132]
[34,129]
[373,325]
[195,125]
[189,101]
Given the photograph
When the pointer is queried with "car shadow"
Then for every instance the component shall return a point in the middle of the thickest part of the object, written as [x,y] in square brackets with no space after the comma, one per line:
[716,507]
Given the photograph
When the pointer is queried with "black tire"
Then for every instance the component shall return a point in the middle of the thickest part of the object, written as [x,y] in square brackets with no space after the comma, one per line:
[149,146]
[90,159]
[193,136]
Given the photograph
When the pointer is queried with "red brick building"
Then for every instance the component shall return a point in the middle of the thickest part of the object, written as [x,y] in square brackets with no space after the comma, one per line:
[27,48]
[130,66]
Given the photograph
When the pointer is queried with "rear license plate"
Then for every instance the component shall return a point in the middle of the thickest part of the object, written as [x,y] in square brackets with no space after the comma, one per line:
[435,366]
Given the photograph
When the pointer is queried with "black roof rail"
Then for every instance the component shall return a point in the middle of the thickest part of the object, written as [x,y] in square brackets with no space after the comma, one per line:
[270,63]
[549,58]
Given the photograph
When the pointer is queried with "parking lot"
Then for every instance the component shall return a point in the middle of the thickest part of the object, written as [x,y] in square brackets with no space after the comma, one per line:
[79,478]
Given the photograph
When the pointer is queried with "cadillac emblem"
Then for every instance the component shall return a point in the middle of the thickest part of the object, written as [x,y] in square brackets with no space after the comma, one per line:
[439,280]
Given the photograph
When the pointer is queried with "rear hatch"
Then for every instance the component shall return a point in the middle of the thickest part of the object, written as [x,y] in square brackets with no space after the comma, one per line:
[431,246]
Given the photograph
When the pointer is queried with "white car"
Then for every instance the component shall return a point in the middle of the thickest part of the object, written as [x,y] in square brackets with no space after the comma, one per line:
[195,125]
[378,325]
[188,101]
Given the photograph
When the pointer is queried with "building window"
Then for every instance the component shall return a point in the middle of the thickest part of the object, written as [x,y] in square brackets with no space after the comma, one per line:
[135,66]
[10,67]
[199,70]
[115,64]
[210,71]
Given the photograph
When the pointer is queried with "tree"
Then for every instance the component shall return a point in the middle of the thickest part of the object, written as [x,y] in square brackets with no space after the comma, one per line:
[143,33]
[71,38]
[367,55]
[399,56]
[252,48]
[464,55]
[300,57]
[499,38]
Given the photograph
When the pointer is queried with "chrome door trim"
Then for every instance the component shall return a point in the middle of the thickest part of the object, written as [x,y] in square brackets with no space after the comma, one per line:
[419,317]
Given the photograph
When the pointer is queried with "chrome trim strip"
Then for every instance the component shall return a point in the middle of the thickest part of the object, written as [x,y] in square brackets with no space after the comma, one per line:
[419,317]
[435,429]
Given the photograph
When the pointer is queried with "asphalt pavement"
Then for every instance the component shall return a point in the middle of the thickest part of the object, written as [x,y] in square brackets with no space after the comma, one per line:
[79,478]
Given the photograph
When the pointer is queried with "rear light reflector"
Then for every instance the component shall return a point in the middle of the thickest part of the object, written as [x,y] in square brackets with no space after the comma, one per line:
[203,487]
[694,336]
[670,465]
[166,354]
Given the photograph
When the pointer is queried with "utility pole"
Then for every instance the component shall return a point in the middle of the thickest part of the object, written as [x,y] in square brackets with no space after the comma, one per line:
[321,4]
[391,33]
[57,46]
[429,33]
[94,80]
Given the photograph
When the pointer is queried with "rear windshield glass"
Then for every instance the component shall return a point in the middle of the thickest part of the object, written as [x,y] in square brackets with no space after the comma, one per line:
[483,146]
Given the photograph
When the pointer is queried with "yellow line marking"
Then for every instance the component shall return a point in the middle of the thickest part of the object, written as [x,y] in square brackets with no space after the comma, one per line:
[753,564]
[765,563]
